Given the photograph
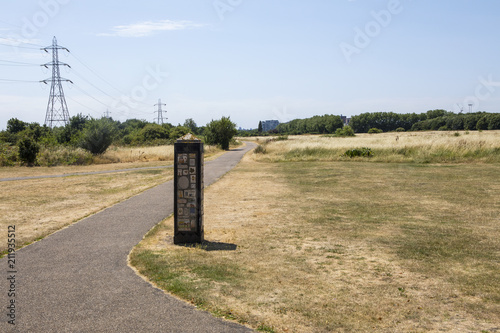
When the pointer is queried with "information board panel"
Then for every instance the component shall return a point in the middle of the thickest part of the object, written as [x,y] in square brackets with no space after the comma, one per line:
[188,190]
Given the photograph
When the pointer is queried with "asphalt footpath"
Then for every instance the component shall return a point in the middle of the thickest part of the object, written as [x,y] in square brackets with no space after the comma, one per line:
[78,280]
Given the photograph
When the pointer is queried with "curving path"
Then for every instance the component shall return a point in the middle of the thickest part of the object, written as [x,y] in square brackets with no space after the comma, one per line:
[77,279]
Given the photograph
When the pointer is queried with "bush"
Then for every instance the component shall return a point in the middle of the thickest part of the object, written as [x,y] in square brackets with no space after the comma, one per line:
[260,150]
[152,132]
[28,149]
[8,155]
[361,152]
[400,129]
[63,155]
[345,131]
[97,135]
[374,131]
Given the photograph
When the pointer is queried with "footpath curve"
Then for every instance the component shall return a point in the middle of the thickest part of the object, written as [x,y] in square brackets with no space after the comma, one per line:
[78,280]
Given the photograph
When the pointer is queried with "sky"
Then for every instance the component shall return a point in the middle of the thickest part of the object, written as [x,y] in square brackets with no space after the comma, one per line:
[250,60]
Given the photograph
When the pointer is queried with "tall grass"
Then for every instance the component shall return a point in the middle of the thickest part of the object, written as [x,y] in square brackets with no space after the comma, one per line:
[61,155]
[136,154]
[421,147]
[50,156]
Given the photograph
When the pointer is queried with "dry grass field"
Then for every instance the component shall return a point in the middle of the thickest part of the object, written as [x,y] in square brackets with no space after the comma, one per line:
[343,246]
[418,147]
[39,207]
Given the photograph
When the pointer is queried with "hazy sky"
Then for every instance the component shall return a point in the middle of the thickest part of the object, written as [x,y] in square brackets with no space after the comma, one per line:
[251,59]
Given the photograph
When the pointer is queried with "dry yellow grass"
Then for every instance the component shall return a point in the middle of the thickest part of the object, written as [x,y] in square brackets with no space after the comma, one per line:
[39,207]
[426,147]
[26,204]
[343,247]
[134,154]
[115,158]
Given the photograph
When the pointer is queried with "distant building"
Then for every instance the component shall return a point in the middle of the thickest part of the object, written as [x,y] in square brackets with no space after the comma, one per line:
[268,125]
[346,121]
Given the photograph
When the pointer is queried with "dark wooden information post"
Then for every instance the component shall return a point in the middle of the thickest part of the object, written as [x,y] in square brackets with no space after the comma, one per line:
[188,190]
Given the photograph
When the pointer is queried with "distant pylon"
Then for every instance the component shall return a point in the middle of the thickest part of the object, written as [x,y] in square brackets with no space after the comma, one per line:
[57,110]
[160,112]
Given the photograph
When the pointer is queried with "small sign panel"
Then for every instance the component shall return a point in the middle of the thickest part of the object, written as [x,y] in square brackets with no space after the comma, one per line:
[188,190]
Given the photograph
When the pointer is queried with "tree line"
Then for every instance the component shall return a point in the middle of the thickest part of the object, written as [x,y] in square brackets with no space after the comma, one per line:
[431,120]
[375,122]
[326,124]
[22,140]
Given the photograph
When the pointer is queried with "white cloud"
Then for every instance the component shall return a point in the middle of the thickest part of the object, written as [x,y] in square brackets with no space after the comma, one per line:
[144,29]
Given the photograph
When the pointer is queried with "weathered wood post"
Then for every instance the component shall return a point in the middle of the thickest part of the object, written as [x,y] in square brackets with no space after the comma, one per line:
[188,190]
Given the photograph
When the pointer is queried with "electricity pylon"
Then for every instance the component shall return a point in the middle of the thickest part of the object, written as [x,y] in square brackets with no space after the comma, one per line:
[160,112]
[57,110]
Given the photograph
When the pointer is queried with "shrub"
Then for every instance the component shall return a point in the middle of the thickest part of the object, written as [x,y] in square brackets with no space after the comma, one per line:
[152,132]
[28,149]
[361,152]
[97,135]
[374,131]
[400,129]
[8,155]
[260,150]
[345,131]
[63,155]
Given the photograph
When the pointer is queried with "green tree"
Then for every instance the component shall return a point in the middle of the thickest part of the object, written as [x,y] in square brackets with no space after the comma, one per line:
[189,123]
[259,129]
[177,132]
[220,132]
[15,125]
[98,135]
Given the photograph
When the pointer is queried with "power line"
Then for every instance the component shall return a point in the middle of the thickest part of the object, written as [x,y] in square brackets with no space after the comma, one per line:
[80,76]
[89,95]
[24,81]
[18,41]
[21,47]
[102,78]
[16,63]
[94,72]
[85,106]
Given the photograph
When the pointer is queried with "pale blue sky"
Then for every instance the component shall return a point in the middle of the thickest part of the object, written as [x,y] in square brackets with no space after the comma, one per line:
[251,59]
